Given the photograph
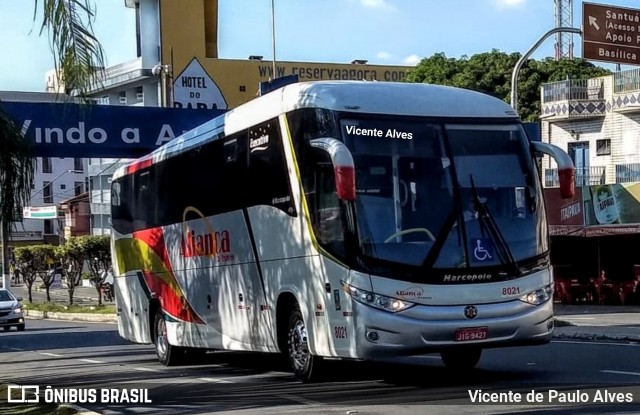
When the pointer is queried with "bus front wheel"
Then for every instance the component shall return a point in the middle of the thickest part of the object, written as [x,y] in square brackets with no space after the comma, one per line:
[305,365]
[461,359]
[167,354]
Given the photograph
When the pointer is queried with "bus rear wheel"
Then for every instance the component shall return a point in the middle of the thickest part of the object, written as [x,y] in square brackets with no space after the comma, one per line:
[461,359]
[167,354]
[305,365]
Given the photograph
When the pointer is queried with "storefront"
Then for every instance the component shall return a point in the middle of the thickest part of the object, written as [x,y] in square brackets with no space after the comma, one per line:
[593,237]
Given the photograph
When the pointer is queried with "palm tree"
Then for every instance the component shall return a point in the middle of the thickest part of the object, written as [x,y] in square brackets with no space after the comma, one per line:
[78,58]
[16,178]
[77,53]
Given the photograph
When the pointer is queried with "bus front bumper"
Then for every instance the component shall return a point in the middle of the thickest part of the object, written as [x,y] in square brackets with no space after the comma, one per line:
[429,329]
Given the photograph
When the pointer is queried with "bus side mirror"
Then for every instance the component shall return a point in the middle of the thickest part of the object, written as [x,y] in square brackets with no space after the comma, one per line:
[566,170]
[343,167]
[567,179]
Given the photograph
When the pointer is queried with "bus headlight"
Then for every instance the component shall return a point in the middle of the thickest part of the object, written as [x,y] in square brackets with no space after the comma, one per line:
[538,296]
[381,302]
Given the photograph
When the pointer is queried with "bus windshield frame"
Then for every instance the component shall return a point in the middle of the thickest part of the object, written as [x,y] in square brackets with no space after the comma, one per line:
[437,197]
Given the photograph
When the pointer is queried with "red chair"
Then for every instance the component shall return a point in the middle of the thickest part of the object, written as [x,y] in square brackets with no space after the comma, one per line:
[627,291]
[562,291]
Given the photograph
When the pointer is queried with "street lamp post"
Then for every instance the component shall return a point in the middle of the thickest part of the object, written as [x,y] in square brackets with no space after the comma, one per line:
[521,61]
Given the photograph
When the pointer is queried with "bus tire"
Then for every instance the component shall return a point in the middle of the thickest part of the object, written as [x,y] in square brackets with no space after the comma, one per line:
[305,365]
[167,354]
[461,359]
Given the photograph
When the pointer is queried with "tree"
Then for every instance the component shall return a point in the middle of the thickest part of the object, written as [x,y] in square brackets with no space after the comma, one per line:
[78,58]
[47,256]
[16,178]
[491,72]
[98,251]
[77,54]
[72,256]
[33,262]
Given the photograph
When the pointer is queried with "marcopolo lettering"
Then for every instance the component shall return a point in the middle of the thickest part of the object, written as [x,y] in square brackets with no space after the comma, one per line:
[467,277]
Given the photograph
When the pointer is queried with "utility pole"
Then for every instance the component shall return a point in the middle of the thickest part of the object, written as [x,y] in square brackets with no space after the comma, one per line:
[4,240]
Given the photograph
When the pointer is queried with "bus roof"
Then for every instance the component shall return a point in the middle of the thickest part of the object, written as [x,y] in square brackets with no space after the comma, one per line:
[398,98]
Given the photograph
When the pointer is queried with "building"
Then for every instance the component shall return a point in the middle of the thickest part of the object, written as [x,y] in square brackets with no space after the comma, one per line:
[55,180]
[597,121]
[178,65]
[76,215]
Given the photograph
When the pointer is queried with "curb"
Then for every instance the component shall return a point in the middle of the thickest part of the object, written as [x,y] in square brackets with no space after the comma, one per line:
[94,318]
[597,337]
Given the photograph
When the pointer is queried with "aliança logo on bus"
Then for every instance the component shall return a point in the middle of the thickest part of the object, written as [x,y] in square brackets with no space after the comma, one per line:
[211,244]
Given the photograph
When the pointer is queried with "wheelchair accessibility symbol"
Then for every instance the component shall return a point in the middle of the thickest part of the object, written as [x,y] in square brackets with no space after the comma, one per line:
[482,249]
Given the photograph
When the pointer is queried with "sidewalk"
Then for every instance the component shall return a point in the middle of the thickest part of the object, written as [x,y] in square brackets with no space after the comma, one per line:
[574,322]
[598,322]
[84,296]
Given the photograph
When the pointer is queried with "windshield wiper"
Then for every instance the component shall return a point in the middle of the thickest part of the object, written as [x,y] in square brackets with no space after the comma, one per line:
[488,223]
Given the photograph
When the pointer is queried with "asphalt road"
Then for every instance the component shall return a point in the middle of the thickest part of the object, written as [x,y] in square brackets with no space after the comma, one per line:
[91,355]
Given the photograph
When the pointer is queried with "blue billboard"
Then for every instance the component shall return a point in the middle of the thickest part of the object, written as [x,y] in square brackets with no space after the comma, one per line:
[109,131]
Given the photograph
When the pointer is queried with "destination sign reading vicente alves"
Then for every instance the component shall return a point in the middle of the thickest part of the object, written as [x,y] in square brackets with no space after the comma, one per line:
[611,34]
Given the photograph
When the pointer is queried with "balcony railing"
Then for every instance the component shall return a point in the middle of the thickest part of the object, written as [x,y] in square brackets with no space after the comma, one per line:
[626,81]
[627,173]
[585,176]
[573,90]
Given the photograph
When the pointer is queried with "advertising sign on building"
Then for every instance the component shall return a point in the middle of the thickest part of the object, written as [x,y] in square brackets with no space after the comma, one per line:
[194,88]
[41,212]
[600,210]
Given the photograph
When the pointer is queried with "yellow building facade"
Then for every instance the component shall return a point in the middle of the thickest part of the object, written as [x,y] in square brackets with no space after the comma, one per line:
[200,79]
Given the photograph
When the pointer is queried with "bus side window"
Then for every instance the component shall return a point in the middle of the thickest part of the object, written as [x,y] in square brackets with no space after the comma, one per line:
[268,180]
[145,213]
[326,217]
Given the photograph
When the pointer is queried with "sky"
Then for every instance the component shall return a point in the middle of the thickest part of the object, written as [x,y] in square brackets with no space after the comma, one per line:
[385,32]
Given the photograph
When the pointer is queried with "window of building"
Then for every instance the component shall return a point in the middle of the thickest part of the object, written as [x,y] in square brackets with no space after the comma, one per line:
[47,193]
[243,88]
[48,226]
[78,188]
[46,165]
[77,164]
[63,186]
[603,147]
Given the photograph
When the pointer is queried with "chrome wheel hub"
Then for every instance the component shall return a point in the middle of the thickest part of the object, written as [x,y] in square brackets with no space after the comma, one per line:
[298,346]
[162,343]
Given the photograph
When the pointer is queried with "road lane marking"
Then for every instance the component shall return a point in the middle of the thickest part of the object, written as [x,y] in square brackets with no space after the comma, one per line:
[51,354]
[214,380]
[596,343]
[300,399]
[91,361]
[619,372]
[146,369]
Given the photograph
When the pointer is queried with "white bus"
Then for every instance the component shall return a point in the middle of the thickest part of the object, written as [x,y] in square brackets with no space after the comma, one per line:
[339,220]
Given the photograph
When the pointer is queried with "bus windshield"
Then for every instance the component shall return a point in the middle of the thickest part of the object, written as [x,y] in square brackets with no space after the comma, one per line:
[441,195]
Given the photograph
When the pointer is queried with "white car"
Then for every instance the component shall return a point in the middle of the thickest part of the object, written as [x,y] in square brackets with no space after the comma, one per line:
[10,311]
